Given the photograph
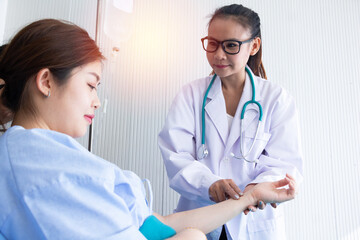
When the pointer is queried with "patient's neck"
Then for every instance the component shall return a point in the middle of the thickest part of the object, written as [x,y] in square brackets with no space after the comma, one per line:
[28,120]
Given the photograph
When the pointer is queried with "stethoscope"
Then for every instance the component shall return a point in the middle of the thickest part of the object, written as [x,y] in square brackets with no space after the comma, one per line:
[203,151]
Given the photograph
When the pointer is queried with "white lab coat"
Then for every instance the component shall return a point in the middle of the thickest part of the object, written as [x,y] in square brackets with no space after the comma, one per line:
[277,147]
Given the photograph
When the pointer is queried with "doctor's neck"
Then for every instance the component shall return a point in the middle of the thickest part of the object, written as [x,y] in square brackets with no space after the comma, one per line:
[234,81]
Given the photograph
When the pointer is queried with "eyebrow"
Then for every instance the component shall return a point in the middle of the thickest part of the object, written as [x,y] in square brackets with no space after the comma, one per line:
[230,39]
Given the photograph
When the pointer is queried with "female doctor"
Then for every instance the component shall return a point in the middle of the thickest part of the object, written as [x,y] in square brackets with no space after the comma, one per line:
[230,131]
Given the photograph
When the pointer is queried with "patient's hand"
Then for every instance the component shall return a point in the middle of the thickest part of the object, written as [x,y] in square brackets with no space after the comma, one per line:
[268,192]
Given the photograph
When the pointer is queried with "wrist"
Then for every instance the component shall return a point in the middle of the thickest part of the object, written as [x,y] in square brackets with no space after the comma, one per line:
[249,199]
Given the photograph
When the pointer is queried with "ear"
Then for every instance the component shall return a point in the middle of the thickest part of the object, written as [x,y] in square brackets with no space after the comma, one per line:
[44,81]
[255,46]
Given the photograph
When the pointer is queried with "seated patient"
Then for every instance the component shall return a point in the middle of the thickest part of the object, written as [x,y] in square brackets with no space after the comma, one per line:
[53,188]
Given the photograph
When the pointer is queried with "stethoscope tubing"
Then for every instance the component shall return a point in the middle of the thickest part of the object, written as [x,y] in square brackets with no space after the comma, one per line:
[203,151]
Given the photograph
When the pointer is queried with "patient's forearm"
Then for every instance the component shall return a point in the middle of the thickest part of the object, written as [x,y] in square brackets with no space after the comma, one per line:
[208,218]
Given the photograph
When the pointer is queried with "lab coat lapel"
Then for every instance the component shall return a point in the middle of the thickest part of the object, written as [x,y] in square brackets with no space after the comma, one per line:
[251,113]
[216,109]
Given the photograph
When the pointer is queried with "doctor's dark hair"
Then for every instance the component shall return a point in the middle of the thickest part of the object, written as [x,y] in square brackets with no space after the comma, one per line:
[57,45]
[249,19]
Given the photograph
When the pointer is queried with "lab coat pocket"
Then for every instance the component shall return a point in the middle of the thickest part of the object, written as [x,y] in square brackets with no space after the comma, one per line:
[259,145]
[267,229]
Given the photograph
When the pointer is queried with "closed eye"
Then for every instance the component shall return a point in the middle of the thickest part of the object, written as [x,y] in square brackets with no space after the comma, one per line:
[92,87]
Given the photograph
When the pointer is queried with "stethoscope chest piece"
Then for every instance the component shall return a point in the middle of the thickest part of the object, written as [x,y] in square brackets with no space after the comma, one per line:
[202,152]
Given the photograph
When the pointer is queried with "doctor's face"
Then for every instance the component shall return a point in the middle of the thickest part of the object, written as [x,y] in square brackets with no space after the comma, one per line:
[227,65]
[77,100]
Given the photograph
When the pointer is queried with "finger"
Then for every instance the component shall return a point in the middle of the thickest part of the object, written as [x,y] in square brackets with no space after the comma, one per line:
[291,177]
[213,196]
[250,209]
[281,183]
[236,188]
[261,205]
[220,195]
[292,180]
[274,205]
[253,209]
[230,191]
[292,189]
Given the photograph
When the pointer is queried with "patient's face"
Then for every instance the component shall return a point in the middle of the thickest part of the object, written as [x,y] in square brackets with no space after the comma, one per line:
[77,100]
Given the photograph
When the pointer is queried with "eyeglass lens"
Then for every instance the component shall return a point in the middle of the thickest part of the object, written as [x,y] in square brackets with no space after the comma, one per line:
[229,46]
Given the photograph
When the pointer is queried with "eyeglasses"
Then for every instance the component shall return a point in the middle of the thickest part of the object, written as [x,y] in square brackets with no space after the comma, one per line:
[229,46]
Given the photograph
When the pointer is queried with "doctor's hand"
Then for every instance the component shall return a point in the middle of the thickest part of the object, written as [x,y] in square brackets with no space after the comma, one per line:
[224,189]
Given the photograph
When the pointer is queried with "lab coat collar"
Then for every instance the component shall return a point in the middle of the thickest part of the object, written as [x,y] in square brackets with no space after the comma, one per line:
[247,91]
[216,109]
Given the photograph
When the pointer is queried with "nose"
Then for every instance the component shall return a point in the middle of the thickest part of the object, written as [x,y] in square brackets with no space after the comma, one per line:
[96,102]
[219,53]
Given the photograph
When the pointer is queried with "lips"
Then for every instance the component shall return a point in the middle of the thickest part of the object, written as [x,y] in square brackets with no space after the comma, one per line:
[89,117]
[220,66]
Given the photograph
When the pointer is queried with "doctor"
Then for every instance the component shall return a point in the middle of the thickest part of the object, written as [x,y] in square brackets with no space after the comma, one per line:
[216,145]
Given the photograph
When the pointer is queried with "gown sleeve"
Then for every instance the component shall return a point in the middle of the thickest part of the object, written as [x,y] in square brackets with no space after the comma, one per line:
[82,209]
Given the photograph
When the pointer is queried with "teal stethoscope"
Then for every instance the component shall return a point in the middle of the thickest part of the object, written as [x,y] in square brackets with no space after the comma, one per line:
[203,151]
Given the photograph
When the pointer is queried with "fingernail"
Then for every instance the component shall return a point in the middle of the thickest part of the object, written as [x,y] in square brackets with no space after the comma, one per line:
[260,203]
[241,194]
[237,196]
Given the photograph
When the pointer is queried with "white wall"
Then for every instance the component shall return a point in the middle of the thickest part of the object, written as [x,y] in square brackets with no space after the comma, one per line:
[310,47]
[3,4]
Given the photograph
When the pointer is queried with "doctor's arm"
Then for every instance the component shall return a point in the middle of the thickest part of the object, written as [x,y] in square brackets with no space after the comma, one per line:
[210,217]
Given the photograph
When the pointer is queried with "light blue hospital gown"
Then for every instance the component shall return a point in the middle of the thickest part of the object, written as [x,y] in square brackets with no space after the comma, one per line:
[53,188]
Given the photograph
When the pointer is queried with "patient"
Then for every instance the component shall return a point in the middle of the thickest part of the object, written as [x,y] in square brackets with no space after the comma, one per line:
[53,188]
